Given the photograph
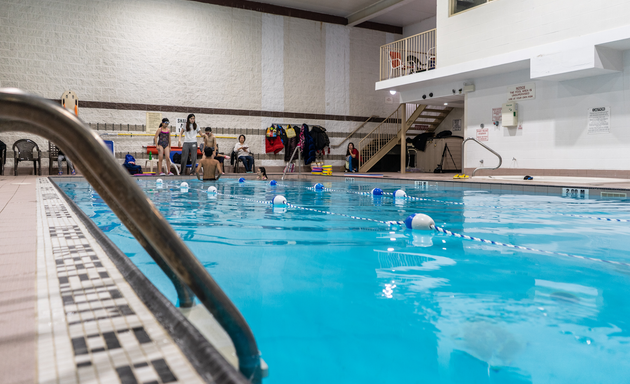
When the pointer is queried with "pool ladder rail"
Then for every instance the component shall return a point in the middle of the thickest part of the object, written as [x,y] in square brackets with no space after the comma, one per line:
[23,112]
[291,161]
[486,147]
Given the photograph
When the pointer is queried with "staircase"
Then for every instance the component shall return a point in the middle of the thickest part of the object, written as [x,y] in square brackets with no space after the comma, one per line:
[418,118]
[427,121]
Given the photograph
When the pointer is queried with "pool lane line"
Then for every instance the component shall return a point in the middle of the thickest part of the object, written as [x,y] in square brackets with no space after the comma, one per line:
[454,234]
[390,224]
[473,205]
[439,230]
[595,218]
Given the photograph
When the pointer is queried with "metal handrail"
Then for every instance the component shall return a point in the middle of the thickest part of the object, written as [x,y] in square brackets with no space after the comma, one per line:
[27,113]
[378,134]
[486,147]
[299,163]
[353,132]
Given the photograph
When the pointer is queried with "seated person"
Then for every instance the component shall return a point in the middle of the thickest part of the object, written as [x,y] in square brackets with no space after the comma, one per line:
[61,156]
[210,166]
[352,158]
[242,153]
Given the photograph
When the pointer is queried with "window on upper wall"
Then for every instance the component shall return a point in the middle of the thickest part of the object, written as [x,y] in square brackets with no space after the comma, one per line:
[458,6]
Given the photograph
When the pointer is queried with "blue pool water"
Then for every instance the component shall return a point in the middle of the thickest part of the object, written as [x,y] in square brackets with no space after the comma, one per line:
[333,299]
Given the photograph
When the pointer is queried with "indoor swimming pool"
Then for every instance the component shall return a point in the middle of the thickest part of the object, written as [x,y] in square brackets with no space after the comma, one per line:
[334,298]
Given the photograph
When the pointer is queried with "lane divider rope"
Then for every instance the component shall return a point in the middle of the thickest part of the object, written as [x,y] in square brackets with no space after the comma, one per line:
[450,233]
[439,230]
[475,205]
[388,223]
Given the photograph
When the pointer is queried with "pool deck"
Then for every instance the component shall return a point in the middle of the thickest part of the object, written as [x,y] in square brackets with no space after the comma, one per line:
[27,251]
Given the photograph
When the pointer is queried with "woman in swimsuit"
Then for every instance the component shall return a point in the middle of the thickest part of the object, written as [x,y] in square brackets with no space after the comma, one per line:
[162,141]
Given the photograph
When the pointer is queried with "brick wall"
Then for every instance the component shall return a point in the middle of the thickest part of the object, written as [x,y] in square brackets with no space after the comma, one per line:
[182,53]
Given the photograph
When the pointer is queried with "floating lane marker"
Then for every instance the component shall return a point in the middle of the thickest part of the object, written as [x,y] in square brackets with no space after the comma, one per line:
[450,233]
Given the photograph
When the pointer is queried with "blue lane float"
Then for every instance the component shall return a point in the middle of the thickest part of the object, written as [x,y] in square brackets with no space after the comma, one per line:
[241,180]
[377,192]
[273,183]
[420,221]
[319,187]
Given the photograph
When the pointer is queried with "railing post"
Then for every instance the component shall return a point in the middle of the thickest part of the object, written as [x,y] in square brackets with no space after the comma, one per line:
[403,137]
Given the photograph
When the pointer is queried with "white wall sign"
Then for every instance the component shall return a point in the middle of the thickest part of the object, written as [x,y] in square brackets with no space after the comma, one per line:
[457,125]
[154,119]
[181,123]
[482,134]
[522,92]
[496,115]
[598,120]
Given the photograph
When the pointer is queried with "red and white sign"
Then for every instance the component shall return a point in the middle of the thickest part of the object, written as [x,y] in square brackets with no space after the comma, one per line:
[496,115]
[482,134]
[522,92]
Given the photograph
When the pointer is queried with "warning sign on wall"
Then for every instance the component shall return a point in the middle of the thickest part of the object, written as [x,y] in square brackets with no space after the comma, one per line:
[496,115]
[598,120]
[457,125]
[482,134]
[522,92]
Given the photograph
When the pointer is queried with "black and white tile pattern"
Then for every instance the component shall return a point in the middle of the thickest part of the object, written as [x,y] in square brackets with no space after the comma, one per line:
[92,327]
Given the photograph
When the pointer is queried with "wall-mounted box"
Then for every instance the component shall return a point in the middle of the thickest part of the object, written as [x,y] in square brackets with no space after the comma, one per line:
[509,115]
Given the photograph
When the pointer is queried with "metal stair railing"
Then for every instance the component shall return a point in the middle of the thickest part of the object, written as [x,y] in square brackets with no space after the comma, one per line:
[379,137]
[20,111]
[486,147]
[354,131]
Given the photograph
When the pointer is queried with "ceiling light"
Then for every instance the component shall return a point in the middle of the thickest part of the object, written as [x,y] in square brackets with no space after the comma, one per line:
[392,92]
[445,103]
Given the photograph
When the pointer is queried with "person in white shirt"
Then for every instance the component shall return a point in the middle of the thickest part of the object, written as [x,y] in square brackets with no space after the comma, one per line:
[242,152]
[189,133]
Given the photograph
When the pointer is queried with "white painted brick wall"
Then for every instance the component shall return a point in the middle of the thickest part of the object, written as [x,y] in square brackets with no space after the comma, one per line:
[509,25]
[181,53]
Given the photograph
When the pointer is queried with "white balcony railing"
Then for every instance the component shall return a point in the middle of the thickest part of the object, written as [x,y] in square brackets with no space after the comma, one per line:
[414,54]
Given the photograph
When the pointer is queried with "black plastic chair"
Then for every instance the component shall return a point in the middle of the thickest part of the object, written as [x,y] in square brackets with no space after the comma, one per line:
[3,156]
[238,163]
[53,157]
[23,151]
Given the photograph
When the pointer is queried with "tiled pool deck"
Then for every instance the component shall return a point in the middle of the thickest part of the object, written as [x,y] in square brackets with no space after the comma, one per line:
[68,316]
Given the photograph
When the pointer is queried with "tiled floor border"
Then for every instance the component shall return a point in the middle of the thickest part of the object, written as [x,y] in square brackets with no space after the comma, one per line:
[92,326]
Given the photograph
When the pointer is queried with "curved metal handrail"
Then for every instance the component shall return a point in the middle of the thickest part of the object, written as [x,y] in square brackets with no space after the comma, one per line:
[486,147]
[32,114]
